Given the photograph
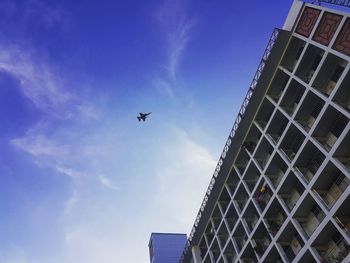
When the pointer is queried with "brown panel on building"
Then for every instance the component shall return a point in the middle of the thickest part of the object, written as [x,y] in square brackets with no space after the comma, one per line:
[342,44]
[327,27]
[307,21]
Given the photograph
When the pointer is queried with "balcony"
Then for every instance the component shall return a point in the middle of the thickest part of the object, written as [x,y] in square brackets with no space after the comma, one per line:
[291,190]
[264,113]
[224,200]
[309,161]
[209,232]
[240,236]
[215,250]
[275,217]
[260,240]
[330,128]
[216,217]
[262,195]
[292,142]
[248,255]
[263,153]
[342,216]
[232,181]
[330,185]
[307,258]
[292,97]
[278,85]
[329,74]
[309,63]
[230,253]
[223,235]
[292,55]
[342,153]
[342,95]
[252,139]
[207,259]
[250,217]
[330,245]
[276,169]
[309,215]
[203,247]
[277,126]
[242,161]
[231,217]
[309,111]
[251,177]
[241,197]
[273,256]
[290,241]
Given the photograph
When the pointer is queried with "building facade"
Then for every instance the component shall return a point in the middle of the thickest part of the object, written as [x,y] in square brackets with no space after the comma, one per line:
[280,191]
[166,247]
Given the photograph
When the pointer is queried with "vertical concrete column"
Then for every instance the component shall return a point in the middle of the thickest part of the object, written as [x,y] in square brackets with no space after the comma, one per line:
[196,254]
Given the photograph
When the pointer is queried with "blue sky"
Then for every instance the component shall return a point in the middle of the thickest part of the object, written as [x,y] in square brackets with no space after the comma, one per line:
[81,180]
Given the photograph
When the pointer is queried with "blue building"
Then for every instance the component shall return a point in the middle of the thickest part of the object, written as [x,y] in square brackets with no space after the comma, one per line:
[166,247]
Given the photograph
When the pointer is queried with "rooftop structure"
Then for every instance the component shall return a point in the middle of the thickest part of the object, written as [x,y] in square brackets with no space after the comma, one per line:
[166,247]
[280,191]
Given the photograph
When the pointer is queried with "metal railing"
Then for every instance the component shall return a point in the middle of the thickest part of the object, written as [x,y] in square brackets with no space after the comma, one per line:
[241,112]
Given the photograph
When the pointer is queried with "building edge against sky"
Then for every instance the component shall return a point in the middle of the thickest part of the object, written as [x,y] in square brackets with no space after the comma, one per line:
[280,191]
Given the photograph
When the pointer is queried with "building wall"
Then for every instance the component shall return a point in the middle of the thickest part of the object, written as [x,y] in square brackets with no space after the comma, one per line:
[287,195]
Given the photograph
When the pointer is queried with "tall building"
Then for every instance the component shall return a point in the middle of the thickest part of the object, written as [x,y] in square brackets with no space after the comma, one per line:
[166,247]
[280,191]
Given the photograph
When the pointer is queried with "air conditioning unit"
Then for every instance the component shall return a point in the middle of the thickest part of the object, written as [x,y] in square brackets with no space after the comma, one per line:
[330,87]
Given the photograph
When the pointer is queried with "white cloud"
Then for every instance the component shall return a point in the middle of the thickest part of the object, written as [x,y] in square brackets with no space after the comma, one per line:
[69,171]
[42,86]
[176,26]
[164,87]
[82,245]
[39,145]
[182,180]
[71,202]
[107,183]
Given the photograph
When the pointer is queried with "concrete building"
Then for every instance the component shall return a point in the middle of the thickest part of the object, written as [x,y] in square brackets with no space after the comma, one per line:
[280,191]
[166,247]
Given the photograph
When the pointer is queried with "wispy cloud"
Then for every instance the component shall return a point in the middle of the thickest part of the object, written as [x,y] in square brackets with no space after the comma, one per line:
[164,87]
[38,145]
[41,85]
[33,13]
[176,26]
[69,172]
[105,181]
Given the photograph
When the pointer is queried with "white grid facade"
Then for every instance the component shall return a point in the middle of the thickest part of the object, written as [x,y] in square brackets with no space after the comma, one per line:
[287,196]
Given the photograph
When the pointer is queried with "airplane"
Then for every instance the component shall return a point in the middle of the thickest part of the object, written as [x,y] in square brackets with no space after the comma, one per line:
[143,116]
